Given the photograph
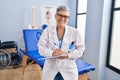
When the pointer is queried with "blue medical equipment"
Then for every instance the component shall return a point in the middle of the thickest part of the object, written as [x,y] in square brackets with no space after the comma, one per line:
[31,37]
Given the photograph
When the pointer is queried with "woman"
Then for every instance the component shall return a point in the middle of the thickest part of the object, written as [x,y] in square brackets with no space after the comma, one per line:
[56,41]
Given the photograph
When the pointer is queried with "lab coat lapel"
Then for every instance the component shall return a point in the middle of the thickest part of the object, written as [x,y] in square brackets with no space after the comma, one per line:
[54,37]
[65,39]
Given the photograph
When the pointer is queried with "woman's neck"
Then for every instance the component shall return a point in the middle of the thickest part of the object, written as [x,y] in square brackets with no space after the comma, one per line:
[60,27]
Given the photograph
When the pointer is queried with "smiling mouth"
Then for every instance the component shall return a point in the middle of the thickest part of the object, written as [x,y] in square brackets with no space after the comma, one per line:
[61,22]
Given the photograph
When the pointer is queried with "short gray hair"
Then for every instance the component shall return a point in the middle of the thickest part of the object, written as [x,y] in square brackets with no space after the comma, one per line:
[62,8]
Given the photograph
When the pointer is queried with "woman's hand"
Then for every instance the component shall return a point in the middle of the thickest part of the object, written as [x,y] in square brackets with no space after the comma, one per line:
[59,52]
[64,56]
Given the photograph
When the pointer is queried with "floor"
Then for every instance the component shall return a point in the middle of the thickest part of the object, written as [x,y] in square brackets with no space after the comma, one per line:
[32,72]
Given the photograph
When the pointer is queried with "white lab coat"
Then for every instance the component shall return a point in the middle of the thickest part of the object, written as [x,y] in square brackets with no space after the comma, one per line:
[49,42]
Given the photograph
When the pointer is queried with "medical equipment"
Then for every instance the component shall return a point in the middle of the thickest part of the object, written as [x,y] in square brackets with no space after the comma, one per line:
[9,55]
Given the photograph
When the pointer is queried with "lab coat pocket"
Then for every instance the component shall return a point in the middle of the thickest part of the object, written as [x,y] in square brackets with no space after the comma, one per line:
[65,46]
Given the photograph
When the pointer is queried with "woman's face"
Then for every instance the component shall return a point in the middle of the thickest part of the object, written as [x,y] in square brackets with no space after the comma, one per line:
[62,18]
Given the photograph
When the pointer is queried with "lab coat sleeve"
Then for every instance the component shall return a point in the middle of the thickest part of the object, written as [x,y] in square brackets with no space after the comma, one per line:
[43,48]
[79,47]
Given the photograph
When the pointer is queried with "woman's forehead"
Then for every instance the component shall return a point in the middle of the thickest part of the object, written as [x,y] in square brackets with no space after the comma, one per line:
[63,12]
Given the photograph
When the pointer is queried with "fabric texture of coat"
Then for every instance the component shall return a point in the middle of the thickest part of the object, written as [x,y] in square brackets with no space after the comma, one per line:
[49,42]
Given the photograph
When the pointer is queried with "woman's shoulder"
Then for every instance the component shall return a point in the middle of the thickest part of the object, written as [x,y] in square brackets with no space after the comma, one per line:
[49,28]
[71,28]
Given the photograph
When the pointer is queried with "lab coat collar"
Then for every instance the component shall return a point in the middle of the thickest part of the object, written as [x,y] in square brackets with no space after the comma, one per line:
[54,31]
[54,36]
[65,37]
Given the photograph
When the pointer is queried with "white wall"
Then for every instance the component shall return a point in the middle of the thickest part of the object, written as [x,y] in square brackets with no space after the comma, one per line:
[72,20]
[104,39]
[111,75]
[98,16]
[93,35]
[16,15]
